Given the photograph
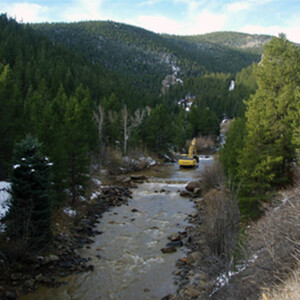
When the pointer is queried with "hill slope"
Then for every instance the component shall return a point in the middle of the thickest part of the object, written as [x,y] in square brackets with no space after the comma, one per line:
[136,51]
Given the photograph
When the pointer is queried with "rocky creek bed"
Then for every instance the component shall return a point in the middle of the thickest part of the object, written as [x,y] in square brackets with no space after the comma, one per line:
[193,275]
[26,276]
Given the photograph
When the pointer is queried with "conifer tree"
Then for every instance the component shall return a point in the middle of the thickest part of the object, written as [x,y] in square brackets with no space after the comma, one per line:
[269,150]
[29,216]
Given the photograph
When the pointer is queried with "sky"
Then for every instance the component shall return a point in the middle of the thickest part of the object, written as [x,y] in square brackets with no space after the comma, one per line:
[181,17]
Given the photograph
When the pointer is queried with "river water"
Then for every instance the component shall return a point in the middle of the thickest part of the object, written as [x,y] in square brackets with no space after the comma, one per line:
[127,258]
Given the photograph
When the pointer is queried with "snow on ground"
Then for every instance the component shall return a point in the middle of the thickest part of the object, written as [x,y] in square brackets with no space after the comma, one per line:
[4,197]
[4,201]
[223,279]
[70,212]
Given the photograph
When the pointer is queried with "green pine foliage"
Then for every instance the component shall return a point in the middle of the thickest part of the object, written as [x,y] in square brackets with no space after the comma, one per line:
[270,113]
[231,152]
[29,216]
[262,159]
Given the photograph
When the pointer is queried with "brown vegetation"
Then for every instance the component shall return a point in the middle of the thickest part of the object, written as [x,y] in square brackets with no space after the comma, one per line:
[212,177]
[274,243]
[221,223]
[204,144]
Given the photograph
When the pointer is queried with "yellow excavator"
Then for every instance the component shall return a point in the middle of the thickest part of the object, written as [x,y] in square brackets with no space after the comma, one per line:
[191,159]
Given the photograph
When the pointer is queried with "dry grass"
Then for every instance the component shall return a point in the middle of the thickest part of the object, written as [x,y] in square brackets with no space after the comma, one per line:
[212,177]
[275,242]
[279,231]
[221,224]
[288,290]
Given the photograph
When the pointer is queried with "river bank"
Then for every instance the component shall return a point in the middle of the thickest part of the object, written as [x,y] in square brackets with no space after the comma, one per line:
[62,259]
[67,259]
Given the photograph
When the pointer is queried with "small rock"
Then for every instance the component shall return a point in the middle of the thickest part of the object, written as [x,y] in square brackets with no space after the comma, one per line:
[174,237]
[154,227]
[206,285]
[138,177]
[29,283]
[185,194]
[10,295]
[168,250]
[175,244]
[53,258]
[169,297]
[192,292]
[177,272]
[193,257]
[15,276]
[43,279]
[134,210]
[183,260]
[126,180]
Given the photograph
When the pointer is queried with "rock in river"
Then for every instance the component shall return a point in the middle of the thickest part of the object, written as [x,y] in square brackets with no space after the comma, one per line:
[168,249]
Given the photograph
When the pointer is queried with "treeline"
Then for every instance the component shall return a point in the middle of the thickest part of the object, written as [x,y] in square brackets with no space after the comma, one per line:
[261,146]
[81,112]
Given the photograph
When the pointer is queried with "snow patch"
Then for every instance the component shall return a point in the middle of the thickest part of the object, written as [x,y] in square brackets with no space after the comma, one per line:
[4,201]
[70,212]
[97,181]
[95,195]
[224,278]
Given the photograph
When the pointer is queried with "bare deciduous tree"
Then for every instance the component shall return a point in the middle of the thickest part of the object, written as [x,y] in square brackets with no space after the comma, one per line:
[99,119]
[130,122]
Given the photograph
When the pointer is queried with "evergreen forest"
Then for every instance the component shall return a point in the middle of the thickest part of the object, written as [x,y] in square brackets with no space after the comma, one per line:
[87,89]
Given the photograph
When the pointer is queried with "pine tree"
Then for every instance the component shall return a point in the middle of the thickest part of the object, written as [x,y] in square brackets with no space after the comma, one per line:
[269,151]
[232,149]
[29,216]
[81,136]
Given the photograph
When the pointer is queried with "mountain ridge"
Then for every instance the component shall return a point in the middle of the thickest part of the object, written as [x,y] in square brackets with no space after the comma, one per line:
[131,49]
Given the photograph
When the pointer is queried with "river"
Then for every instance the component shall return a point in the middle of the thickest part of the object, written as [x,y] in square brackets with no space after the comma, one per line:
[127,257]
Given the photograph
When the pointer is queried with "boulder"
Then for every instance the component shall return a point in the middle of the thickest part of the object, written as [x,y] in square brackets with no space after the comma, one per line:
[191,186]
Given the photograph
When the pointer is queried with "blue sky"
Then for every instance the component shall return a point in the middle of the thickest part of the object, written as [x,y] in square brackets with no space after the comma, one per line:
[186,17]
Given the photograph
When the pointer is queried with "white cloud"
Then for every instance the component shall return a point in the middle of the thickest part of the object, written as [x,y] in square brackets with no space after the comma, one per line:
[84,10]
[26,12]
[196,23]
[238,6]
[158,24]
[292,33]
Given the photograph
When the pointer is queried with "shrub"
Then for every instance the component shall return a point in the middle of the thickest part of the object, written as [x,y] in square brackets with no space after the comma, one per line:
[212,177]
[221,224]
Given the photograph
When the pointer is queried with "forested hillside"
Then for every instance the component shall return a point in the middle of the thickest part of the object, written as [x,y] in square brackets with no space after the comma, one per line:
[133,50]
